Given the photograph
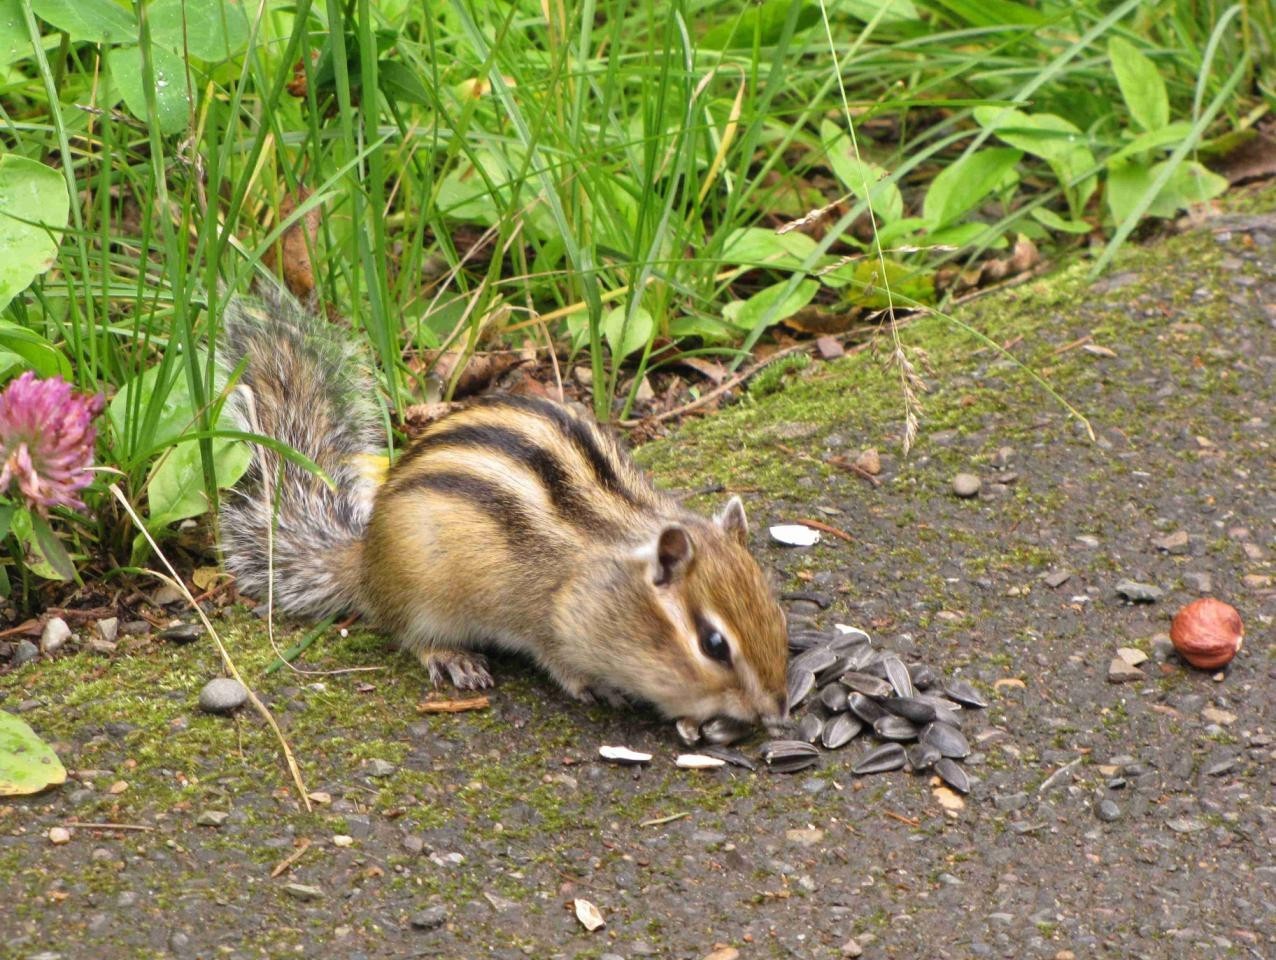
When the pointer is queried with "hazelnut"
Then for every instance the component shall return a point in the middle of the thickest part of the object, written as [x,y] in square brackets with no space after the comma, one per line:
[1207,633]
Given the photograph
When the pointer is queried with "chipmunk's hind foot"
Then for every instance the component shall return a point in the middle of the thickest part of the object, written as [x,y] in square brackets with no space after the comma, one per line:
[464,670]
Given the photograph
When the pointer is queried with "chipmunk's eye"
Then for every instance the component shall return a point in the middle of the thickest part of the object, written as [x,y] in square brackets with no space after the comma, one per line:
[715,646]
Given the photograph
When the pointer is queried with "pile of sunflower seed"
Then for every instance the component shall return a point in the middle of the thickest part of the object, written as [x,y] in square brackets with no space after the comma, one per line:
[840,686]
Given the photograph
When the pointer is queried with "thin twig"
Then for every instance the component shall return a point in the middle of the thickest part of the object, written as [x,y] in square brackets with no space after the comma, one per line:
[302,846]
[227,662]
[107,826]
[825,528]
[453,706]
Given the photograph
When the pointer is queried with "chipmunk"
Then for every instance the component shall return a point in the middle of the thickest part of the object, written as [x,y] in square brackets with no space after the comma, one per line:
[513,523]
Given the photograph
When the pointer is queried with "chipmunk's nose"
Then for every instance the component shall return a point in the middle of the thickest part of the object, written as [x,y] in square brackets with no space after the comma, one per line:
[776,722]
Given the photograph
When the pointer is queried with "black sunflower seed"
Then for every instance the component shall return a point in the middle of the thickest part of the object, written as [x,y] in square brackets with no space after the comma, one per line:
[952,774]
[898,676]
[891,727]
[889,756]
[834,698]
[809,728]
[840,730]
[910,708]
[801,683]
[945,738]
[865,707]
[964,693]
[865,684]
[922,756]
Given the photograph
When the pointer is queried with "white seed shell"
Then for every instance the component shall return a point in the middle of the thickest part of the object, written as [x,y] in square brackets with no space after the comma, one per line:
[794,535]
[623,755]
[698,761]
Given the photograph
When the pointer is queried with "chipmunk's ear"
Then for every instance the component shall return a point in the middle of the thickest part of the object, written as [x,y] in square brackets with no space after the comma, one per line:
[733,522]
[668,556]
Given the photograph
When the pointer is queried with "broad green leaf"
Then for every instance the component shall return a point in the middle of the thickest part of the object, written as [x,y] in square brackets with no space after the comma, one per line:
[176,414]
[895,11]
[901,232]
[27,763]
[1044,135]
[175,489]
[172,94]
[747,314]
[98,21]
[40,355]
[863,284]
[856,175]
[1141,85]
[1051,138]
[1190,183]
[635,336]
[34,206]
[1055,222]
[708,329]
[6,516]
[15,44]
[962,185]
[1127,182]
[463,193]
[961,235]
[213,30]
[763,23]
[52,549]
[993,13]
[10,364]
[401,83]
[1167,136]
[757,246]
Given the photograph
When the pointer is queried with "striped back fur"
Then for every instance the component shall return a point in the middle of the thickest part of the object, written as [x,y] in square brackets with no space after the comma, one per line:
[310,390]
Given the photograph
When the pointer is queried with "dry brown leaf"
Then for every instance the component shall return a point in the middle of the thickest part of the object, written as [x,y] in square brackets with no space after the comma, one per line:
[290,255]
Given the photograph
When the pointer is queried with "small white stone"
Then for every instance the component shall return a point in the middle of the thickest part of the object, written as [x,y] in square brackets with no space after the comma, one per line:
[342,840]
[55,633]
[59,836]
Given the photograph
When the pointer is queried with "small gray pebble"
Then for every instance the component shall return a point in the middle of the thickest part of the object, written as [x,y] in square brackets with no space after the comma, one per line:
[223,695]
[25,652]
[380,768]
[303,891]
[966,485]
[429,919]
[1010,802]
[1137,592]
[1107,810]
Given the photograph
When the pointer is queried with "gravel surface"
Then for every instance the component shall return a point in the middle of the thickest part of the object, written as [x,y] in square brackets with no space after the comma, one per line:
[1126,819]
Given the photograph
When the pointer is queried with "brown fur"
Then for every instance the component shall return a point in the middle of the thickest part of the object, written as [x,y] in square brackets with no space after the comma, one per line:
[512,523]
[450,566]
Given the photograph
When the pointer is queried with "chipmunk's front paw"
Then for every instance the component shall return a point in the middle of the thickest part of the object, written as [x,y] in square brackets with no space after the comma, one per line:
[464,670]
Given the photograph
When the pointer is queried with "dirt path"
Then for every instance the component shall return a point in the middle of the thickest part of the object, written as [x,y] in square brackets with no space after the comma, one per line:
[1123,820]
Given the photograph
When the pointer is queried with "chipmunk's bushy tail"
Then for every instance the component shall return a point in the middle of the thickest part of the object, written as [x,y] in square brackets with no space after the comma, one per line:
[302,385]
